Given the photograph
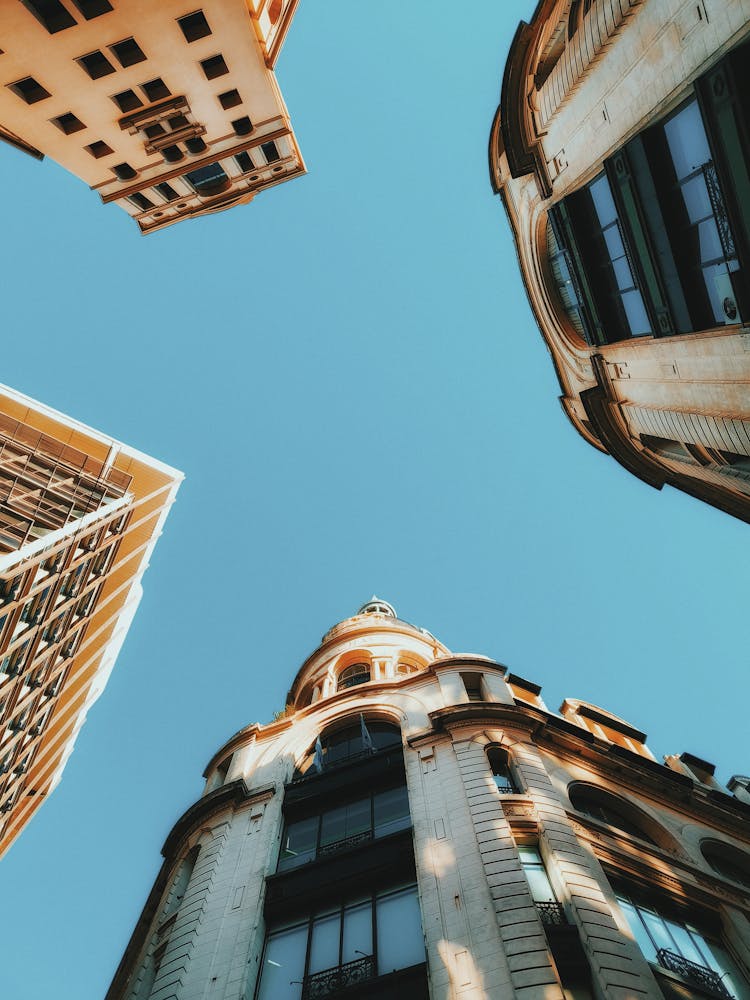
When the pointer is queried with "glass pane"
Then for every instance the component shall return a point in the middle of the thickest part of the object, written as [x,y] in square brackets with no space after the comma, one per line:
[695,194]
[687,140]
[324,946]
[400,941]
[723,963]
[529,856]
[603,201]
[299,843]
[613,239]
[684,944]
[710,244]
[541,890]
[639,932]
[357,932]
[284,965]
[657,930]
[623,274]
[391,811]
[358,817]
[636,314]
[333,826]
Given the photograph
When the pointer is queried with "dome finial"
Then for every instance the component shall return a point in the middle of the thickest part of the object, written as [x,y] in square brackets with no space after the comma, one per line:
[377,607]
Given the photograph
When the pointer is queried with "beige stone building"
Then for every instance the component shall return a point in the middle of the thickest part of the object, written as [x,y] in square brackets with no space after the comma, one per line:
[80,514]
[621,150]
[418,824]
[166,109]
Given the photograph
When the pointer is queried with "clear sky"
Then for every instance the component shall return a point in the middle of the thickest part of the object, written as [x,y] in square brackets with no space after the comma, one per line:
[348,372]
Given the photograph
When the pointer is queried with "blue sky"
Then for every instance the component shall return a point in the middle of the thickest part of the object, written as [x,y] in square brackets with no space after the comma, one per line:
[348,372]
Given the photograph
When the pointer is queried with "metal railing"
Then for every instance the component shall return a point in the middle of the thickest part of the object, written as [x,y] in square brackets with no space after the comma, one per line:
[330,981]
[719,209]
[700,975]
[551,914]
[341,845]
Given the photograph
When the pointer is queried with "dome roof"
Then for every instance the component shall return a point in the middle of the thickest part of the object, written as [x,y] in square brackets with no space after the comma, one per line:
[377,607]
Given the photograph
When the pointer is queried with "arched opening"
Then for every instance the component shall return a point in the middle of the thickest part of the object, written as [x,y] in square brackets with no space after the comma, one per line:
[499,761]
[727,861]
[601,805]
[349,741]
[355,673]
[209,180]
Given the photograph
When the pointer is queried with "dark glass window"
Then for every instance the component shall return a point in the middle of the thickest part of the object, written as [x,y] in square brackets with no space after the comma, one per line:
[195,145]
[194,26]
[348,744]
[356,673]
[99,149]
[172,154]
[242,126]
[29,89]
[156,90]
[473,685]
[166,191]
[96,65]
[214,66]
[50,13]
[127,100]
[93,8]
[501,773]
[270,151]
[208,180]
[128,52]
[141,201]
[124,172]
[244,162]
[606,812]
[365,938]
[154,131]
[68,123]
[177,122]
[230,99]
[536,874]
[732,865]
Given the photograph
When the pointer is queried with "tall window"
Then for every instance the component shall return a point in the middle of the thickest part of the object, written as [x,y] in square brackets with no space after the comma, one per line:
[601,808]
[348,744]
[370,817]
[540,887]
[356,673]
[682,948]
[501,773]
[342,946]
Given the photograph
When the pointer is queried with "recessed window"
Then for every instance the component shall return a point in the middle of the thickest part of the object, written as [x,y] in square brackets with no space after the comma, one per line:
[128,52]
[127,100]
[599,806]
[93,8]
[244,162]
[154,131]
[194,26]
[501,773]
[473,685]
[356,673]
[99,149]
[242,126]
[728,862]
[230,99]
[141,201]
[124,172]
[50,13]
[166,191]
[270,152]
[213,67]
[172,154]
[156,90]
[29,89]
[96,65]
[68,123]
[208,180]
[195,145]
[177,122]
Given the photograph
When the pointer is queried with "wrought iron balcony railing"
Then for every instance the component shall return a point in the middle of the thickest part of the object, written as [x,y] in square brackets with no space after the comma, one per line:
[325,850]
[703,977]
[341,977]
[504,789]
[551,914]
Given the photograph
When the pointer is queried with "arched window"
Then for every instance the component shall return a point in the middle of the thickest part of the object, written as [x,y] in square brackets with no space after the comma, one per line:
[356,673]
[349,742]
[727,861]
[208,180]
[501,772]
[598,805]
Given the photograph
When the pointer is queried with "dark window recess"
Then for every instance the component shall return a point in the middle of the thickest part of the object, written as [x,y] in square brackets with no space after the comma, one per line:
[29,90]
[195,145]
[270,152]
[172,154]
[68,123]
[141,201]
[208,180]
[606,812]
[473,685]
[99,149]
[244,162]
[348,744]
[96,65]
[194,26]
[50,13]
[242,126]
[127,100]
[154,131]
[501,773]
[230,99]
[166,191]
[93,8]
[124,172]
[213,67]
[176,122]
[156,90]
[128,52]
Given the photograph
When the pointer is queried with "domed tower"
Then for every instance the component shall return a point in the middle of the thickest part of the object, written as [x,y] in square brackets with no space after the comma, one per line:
[416,824]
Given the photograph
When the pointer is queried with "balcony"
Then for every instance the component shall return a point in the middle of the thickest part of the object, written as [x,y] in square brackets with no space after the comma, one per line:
[332,981]
[551,914]
[705,979]
[359,980]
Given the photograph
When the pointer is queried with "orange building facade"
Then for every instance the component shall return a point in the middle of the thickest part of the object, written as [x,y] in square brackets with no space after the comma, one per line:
[166,110]
[80,514]
[621,151]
